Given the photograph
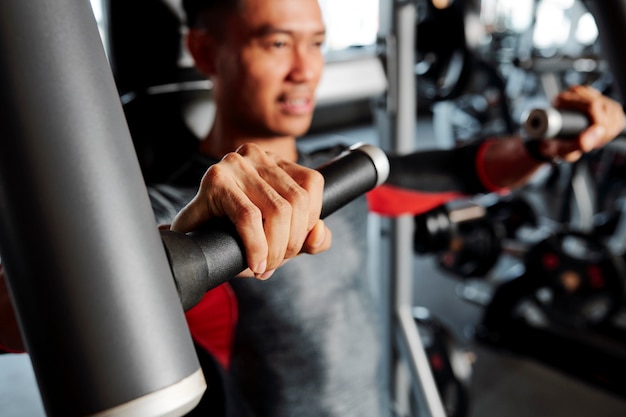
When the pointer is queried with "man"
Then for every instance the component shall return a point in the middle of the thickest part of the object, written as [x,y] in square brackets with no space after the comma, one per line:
[308,340]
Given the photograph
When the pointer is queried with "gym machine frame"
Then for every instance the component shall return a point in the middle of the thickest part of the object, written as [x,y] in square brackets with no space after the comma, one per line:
[404,348]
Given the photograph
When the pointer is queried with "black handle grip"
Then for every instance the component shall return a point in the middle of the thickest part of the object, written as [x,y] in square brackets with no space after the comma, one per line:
[203,259]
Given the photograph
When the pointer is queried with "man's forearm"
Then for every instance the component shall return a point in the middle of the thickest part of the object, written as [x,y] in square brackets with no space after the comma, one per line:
[507,164]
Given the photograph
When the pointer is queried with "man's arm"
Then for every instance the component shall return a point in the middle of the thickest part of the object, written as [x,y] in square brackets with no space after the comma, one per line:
[505,162]
[275,206]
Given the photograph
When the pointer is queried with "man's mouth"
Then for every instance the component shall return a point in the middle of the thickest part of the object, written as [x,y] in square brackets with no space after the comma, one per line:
[296,105]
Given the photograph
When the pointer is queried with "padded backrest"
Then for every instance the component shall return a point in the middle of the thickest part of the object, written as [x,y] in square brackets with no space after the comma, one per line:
[159,123]
[158,92]
[145,43]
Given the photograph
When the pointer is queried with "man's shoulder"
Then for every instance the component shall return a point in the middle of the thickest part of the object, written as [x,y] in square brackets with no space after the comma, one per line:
[190,173]
[167,200]
[170,196]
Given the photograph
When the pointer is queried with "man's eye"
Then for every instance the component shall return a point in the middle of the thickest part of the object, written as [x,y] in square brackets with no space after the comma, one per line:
[318,41]
[278,44]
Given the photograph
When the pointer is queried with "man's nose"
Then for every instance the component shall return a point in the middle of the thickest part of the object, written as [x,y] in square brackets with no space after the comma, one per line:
[306,64]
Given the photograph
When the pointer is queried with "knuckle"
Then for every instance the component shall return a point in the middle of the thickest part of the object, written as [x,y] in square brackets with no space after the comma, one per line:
[293,249]
[215,178]
[232,158]
[298,195]
[214,173]
[597,108]
[316,179]
[281,207]
[248,214]
[249,149]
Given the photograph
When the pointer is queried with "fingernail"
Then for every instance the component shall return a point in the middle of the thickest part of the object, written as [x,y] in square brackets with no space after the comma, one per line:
[260,268]
[266,274]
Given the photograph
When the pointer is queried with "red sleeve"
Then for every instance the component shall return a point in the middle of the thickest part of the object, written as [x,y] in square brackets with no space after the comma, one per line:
[4,349]
[212,322]
[480,167]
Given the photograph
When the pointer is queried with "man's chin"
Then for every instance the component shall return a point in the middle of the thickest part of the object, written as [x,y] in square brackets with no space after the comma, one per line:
[294,129]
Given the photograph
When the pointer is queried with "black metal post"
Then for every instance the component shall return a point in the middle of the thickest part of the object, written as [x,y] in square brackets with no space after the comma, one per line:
[610,16]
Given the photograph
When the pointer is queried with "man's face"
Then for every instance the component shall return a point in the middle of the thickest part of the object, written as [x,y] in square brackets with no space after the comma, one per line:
[269,65]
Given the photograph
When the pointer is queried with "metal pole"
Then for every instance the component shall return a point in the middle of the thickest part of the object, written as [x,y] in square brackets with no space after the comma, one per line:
[86,267]
[610,16]
[398,35]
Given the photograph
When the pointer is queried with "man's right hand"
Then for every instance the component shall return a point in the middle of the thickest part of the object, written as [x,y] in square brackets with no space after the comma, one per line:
[275,206]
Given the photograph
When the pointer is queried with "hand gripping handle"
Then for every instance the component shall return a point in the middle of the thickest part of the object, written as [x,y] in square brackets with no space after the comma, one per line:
[545,123]
[203,259]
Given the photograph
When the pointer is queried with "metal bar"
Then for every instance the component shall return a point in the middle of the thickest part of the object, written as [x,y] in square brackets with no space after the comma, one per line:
[408,350]
[610,16]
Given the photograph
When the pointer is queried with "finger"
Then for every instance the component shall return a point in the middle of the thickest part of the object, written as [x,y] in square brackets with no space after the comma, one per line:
[318,240]
[297,205]
[301,187]
[205,206]
[278,197]
[312,181]
[578,98]
[246,273]
[189,217]
[262,218]
[592,137]
[221,194]
[577,94]
[573,156]
[566,149]
[277,221]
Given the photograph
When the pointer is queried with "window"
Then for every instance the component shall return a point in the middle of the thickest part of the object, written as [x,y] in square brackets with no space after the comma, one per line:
[350,23]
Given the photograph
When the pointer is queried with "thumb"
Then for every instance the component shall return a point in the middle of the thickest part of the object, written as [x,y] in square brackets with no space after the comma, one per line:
[592,138]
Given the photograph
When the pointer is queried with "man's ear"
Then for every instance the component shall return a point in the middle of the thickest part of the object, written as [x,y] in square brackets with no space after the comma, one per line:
[202,48]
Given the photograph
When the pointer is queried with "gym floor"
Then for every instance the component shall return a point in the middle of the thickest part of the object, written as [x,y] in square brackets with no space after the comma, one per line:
[502,384]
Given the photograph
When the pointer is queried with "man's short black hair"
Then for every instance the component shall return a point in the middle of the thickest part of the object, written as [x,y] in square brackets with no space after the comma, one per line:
[195,10]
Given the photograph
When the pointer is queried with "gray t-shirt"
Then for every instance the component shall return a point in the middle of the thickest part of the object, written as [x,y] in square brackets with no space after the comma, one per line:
[308,339]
